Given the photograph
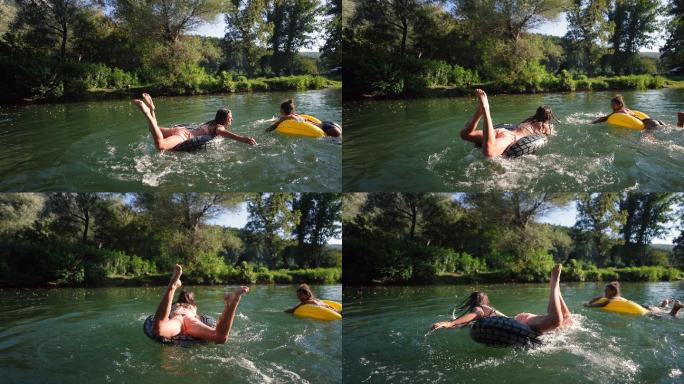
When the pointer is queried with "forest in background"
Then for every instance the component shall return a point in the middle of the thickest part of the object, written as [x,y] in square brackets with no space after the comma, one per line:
[97,239]
[398,238]
[407,47]
[74,49]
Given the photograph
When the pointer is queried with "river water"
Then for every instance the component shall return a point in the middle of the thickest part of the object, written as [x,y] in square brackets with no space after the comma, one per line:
[386,338]
[106,146]
[96,336]
[414,145]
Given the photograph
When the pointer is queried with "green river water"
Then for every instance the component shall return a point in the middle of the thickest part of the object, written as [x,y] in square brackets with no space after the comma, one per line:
[96,336]
[414,145]
[106,146]
[386,338]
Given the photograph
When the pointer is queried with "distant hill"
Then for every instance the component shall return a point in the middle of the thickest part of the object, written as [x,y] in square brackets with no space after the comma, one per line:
[337,247]
[664,247]
[652,55]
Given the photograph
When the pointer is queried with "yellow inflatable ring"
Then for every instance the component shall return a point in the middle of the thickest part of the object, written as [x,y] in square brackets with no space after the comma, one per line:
[624,306]
[295,128]
[628,121]
[320,313]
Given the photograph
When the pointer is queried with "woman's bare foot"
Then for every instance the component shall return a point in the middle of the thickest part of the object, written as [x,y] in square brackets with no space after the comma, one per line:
[175,279]
[482,99]
[664,303]
[234,297]
[142,105]
[148,100]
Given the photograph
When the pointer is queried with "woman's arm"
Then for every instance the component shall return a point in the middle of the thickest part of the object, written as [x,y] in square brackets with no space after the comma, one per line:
[291,310]
[594,304]
[223,132]
[461,321]
[273,126]
[601,120]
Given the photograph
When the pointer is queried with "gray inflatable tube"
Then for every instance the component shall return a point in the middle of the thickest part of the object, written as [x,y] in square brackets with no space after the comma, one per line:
[501,331]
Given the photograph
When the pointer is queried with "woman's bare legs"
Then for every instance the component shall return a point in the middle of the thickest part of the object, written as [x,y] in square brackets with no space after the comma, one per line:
[163,326]
[491,147]
[218,335]
[160,141]
[554,318]
[468,132]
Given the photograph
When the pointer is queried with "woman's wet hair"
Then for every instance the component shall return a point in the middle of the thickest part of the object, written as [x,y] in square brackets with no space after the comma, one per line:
[222,116]
[543,114]
[618,99]
[304,288]
[614,286]
[476,299]
[186,297]
[287,107]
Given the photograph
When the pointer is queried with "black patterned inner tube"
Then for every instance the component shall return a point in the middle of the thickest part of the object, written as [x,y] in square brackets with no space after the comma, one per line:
[194,144]
[526,146]
[180,339]
[501,331]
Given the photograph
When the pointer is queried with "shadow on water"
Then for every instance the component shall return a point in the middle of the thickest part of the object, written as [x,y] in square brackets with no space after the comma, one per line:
[414,145]
[95,335]
[386,338]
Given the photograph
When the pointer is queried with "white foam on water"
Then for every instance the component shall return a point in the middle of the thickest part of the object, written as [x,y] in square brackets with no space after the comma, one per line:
[674,372]
[291,375]
[242,363]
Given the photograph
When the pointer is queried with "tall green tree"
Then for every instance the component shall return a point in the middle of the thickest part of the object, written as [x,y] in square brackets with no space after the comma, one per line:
[75,210]
[331,52]
[673,50]
[245,28]
[19,210]
[647,216]
[320,215]
[599,216]
[588,29]
[270,216]
[293,23]
[635,26]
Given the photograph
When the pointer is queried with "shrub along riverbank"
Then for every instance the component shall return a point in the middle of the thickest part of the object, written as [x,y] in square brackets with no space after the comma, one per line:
[430,78]
[85,81]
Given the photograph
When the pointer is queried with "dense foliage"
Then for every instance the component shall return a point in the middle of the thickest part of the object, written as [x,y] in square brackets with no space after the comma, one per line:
[426,237]
[408,47]
[89,238]
[73,49]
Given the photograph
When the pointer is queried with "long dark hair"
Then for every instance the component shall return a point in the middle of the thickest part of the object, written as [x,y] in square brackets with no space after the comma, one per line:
[221,116]
[186,297]
[287,107]
[544,114]
[306,289]
[615,287]
[476,299]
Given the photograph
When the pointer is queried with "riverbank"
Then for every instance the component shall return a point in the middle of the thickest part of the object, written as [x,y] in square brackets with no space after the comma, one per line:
[224,83]
[563,83]
[234,276]
[570,274]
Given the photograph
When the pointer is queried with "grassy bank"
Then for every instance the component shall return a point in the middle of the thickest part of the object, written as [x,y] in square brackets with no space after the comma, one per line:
[234,276]
[570,274]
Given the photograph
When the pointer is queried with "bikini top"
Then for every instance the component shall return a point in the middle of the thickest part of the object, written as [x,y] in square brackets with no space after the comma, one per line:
[487,311]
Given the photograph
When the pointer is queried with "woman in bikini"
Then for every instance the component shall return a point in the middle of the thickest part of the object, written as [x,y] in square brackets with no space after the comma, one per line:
[494,142]
[169,138]
[612,292]
[181,317]
[617,104]
[477,307]
[306,296]
[287,112]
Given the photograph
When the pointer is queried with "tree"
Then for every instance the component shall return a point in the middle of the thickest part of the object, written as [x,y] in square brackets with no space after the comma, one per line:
[588,28]
[52,19]
[293,24]
[74,210]
[599,216]
[646,217]
[244,28]
[331,52]
[517,208]
[8,11]
[319,221]
[270,215]
[405,214]
[636,22]
[19,210]
[167,19]
[673,50]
